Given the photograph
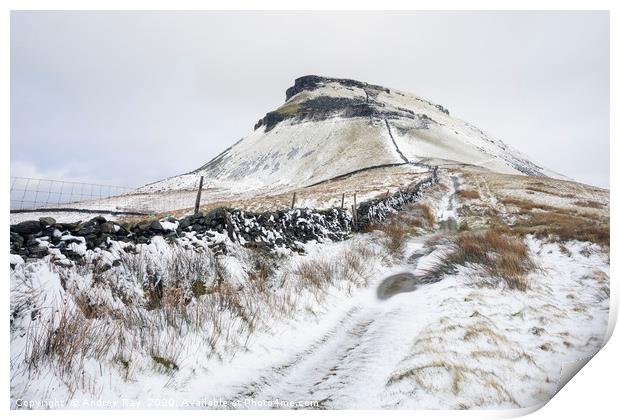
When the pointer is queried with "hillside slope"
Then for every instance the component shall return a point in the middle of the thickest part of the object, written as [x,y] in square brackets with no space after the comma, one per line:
[329,127]
[475,296]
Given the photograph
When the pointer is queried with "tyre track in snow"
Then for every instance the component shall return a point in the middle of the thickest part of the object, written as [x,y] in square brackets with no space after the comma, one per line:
[338,367]
[350,364]
[276,372]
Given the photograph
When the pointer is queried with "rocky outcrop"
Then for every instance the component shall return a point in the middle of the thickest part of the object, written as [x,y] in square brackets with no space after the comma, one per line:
[312,82]
[324,107]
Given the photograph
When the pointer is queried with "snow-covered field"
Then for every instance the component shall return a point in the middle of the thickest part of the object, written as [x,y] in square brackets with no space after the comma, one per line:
[365,185]
[313,328]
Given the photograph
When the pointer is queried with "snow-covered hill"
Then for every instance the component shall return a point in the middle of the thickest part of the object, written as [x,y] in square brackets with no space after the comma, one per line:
[329,127]
[478,295]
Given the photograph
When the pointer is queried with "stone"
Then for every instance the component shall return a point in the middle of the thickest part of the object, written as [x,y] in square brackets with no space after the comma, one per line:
[185,223]
[17,239]
[68,226]
[47,221]
[156,226]
[38,251]
[72,254]
[27,227]
[171,234]
[215,216]
[108,227]
[143,225]
[87,228]
[31,242]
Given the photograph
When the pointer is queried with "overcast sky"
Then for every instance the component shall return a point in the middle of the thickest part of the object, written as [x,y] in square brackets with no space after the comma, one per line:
[132,97]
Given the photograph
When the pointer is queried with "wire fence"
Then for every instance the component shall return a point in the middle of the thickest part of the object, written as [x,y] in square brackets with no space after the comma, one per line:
[35,193]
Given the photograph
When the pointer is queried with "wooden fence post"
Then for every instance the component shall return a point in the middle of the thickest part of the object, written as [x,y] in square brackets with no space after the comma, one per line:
[229,226]
[293,202]
[197,206]
[355,210]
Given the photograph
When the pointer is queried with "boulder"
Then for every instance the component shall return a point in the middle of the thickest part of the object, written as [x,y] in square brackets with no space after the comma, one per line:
[27,227]
[108,227]
[171,234]
[47,221]
[17,239]
[185,223]
[38,251]
[216,216]
[142,226]
[31,242]
[156,226]
[68,226]
[88,228]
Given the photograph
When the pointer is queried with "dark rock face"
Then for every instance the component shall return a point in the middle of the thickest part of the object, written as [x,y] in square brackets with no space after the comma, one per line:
[312,82]
[324,107]
[442,109]
[270,120]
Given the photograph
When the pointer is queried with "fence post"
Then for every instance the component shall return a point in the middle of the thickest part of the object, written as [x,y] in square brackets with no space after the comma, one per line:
[197,206]
[229,226]
[342,202]
[293,202]
[355,210]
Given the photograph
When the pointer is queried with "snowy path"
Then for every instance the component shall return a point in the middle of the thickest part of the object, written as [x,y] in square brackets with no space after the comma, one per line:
[351,363]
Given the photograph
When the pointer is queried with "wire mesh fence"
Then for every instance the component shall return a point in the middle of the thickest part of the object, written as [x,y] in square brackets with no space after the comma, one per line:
[35,193]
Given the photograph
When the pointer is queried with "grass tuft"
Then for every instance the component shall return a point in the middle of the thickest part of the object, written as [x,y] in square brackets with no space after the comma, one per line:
[501,254]
[470,194]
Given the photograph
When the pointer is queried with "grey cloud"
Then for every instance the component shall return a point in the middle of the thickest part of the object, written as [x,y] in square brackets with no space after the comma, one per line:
[131,97]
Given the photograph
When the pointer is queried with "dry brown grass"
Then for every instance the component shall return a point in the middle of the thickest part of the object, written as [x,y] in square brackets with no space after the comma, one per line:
[67,338]
[154,321]
[427,214]
[501,254]
[399,226]
[566,227]
[395,235]
[524,204]
[589,204]
[563,224]
[430,377]
[352,266]
[469,194]
[536,189]
[315,274]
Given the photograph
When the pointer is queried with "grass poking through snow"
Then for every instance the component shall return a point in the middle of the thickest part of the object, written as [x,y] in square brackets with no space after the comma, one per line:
[501,255]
